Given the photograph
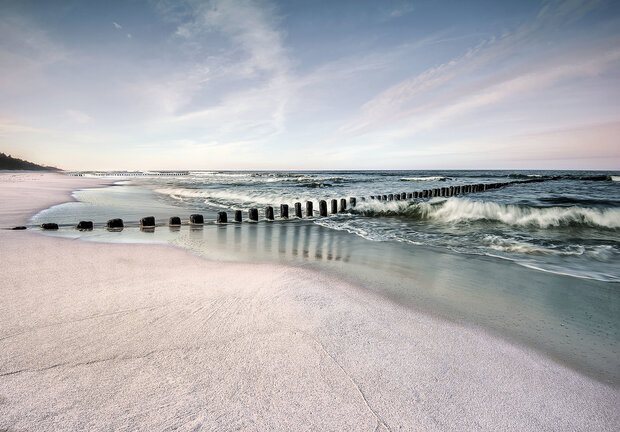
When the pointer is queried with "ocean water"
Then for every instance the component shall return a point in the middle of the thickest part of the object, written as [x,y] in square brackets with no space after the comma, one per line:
[535,262]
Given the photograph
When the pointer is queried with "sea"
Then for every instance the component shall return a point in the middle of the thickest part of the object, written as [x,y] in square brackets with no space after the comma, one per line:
[537,263]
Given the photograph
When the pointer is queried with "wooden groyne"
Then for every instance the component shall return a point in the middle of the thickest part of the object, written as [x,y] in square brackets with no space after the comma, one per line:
[335,206]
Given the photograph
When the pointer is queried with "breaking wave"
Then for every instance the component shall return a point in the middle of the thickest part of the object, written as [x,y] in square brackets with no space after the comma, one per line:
[436,178]
[463,210]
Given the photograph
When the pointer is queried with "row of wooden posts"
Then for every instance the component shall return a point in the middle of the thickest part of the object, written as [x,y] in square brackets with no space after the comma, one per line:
[335,206]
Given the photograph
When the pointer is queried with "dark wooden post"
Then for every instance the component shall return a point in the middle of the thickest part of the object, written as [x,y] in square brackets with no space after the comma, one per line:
[49,226]
[222,217]
[298,210]
[334,206]
[309,212]
[390,197]
[238,216]
[253,214]
[284,211]
[196,219]
[323,208]
[84,226]
[115,223]
[343,205]
[353,201]
[148,222]
[269,213]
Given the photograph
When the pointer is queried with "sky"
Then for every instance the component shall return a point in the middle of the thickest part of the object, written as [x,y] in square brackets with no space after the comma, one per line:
[311,85]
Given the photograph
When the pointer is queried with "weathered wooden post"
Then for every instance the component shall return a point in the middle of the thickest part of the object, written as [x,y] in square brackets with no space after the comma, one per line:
[372,197]
[309,212]
[196,219]
[238,216]
[409,195]
[343,205]
[353,201]
[284,211]
[84,226]
[174,221]
[322,208]
[253,214]
[147,222]
[298,210]
[397,197]
[390,197]
[384,197]
[269,213]
[334,206]
[114,224]
[49,226]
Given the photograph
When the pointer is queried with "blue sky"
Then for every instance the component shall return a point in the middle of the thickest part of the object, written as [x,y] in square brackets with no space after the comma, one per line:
[311,84]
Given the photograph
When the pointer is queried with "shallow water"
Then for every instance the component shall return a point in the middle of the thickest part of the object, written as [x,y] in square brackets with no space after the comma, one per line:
[536,263]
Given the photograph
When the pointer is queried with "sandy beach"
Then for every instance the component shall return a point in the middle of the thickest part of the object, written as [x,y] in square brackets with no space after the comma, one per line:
[144,337]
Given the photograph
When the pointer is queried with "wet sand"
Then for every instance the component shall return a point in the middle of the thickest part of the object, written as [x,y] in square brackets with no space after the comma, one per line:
[146,337]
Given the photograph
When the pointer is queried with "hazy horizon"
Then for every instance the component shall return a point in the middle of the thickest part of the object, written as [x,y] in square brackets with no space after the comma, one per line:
[272,85]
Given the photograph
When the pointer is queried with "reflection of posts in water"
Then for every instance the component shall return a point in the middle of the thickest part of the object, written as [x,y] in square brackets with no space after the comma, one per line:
[318,254]
[306,246]
[268,237]
[252,231]
[237,238]
[295,246]
[221,236]
[282,233]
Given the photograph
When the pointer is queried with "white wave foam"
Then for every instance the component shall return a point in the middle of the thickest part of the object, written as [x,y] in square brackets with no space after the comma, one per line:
[615,178]
[457,210]
[423,178]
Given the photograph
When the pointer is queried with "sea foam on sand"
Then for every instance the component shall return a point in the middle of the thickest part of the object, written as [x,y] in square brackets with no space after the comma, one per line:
[145,337]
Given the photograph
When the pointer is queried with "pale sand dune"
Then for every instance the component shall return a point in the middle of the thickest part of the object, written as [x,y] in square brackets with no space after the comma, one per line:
[143,337]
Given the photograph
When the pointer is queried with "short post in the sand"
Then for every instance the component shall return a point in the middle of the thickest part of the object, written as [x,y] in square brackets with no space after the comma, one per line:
[309,211]
[238,216]
[115,224]
[84,226]
[174,221]
[284,211]
[343,205]
[222,218]
[269,213]
[334,206]
[253,214]
[49,226]
[322,208]
[147,222]
[196,219]
[298,210]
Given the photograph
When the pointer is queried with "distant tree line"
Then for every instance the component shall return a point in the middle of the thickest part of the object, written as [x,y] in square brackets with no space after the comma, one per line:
[7,162]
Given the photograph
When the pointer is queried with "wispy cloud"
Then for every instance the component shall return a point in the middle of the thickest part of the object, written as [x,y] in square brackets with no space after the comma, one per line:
[117,25]
[445,91]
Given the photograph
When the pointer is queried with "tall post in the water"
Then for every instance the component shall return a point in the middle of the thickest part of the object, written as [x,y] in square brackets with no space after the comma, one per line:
[284,211]
[269,213]
[238,216]
[253,214]
[222,217]
[343,205]
[334,206]
[309,212]
[353,201]
[298,210]
[323,208]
